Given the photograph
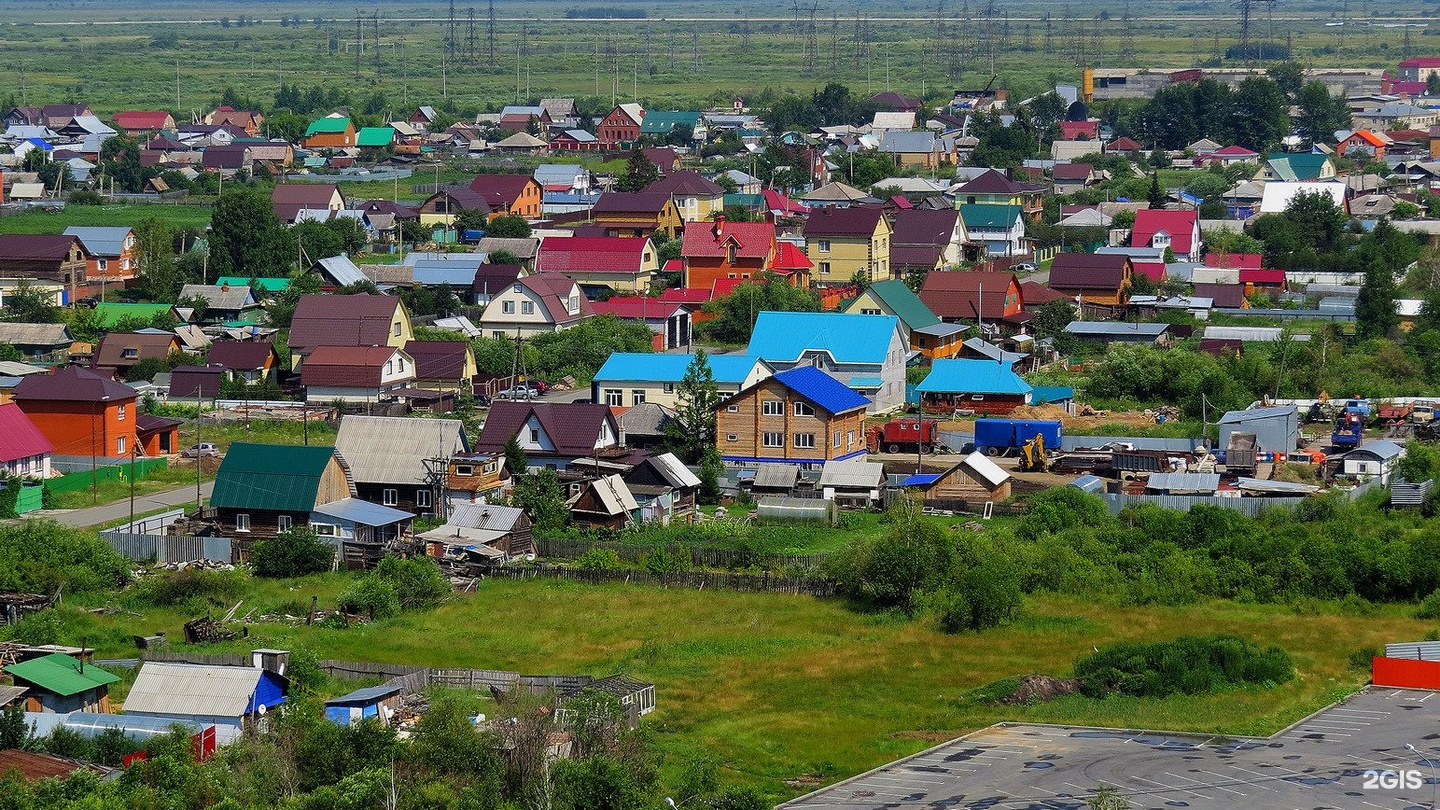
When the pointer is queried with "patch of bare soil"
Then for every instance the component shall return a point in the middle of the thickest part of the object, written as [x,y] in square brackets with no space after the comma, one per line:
[1041,688]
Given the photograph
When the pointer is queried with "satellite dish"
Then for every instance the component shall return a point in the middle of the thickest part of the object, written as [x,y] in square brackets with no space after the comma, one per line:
[261,710]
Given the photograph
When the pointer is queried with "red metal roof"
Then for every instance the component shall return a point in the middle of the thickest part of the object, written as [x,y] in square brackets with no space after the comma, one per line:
[1073,130]
[591,254]
[19,438]
[136,119]
[346,366]
[438,359]
[1088,271]
[1234,261]
[574,428]
[686,295]
[726,286]
[858,222]
[240,355]
[30,246]
[775,201]
[1153,270]
[1035,293]
[752,240]
[790,258]
[1258,276]
[1179,224]
[500,190]
[72,385]
[634,307]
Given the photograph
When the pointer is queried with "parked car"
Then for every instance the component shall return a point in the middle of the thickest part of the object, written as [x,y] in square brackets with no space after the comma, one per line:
[1024,267]
[519,392]
[201,449]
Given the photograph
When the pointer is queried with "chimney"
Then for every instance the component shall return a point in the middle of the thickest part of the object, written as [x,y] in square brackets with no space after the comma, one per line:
[719,229]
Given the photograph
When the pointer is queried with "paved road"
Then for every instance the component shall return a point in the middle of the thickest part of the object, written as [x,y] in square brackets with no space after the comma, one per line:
[1329,761]
[120,510]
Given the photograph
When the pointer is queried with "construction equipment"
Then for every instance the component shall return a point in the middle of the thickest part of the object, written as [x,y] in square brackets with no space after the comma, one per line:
[903,434]
[1240,456]
[1349,430]
[1422,411]
[1032,455]
[1393,412]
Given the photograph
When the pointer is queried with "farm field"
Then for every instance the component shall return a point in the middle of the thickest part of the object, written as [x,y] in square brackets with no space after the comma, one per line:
[790,692]
[176,216]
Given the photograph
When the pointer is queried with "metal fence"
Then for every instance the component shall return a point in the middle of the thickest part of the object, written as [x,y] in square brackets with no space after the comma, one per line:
[1418,650]
[154,524]
[1116,502]
[167,549]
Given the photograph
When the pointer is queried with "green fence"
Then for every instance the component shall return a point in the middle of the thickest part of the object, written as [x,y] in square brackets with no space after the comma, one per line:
[75,481]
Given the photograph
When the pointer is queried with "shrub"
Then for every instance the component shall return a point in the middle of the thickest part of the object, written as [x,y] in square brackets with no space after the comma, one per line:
[371,596]
[41,556]
[599,559]
[1361,658]
[1429,606]
[1188,665]
[667,561]
[189,586]
[418,582]
[294,553]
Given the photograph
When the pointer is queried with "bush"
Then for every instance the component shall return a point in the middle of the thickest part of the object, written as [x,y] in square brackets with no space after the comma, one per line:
[418,582]
[667,561]
[1429,606]
[1189,665]
[1361,658]
[371,596]
[599,559]
[41,556]
[191,586]
[294,553]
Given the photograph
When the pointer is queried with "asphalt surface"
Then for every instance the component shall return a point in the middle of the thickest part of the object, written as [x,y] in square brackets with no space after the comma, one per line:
[120,510]
[1320,763]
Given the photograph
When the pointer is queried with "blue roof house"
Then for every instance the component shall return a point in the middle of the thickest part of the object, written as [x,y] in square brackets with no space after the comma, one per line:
[802,416]
[978,386]
[865,352]
[374,702]
[630,378]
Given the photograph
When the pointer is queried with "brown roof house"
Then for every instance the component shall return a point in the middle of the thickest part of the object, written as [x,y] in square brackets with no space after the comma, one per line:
[347,320]
[509,194]
[442,365]
[544,302]
[356,373]
[552,434]
[844,242]
[60,259]
[118,352]
[637,214]
[1092,277]
[249,361]
[696,198]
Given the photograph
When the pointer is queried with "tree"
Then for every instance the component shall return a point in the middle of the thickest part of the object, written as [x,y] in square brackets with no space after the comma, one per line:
[1432,84]
[120,162]
[414,233]
[1108,797]
[295,552]
[1375,315]
[1321,114]
[735,314]
[515,459]
[508,227]
[912,557]
[155,245]
[539,494]
[246,237]
[471,219]
[282,308]
[1156,195]
[28,304]
[1261,113]
[639,172]
[692,431]
[1288,77]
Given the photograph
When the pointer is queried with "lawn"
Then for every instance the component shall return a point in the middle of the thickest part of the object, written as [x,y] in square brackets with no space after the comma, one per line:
[177,216]
[777,687]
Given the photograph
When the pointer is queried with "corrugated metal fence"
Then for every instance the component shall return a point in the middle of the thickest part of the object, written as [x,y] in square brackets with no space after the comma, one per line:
[167,549]
[1116,502]
[1420,650]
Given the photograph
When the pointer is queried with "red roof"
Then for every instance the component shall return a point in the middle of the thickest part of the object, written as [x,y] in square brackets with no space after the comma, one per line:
[574,428]
[288,199]
[1079,130]
[1179,224]
[634,307]
[752,240]
[1234,261]
[1230,296]
[1153,270]
[36,246]
[1258,276]
[1072,171]
[961,294]
[686,295]
[673,266]
[1123,144]
[1235,151]
[990,182]
[843,222]
[1034,293]
[500,190]
[346,366]
[779,203]
[592,254]
[1422,62]
[342,320]
[726,286]
[439,359]
[240,355]
[789,258]
[621,202]
[553,289]
[1411,88]
[143,120]
[19,438]
[72,385]
[684,184]
[1088,271]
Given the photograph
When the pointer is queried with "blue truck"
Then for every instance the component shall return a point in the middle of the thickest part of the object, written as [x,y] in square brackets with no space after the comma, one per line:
[995,437]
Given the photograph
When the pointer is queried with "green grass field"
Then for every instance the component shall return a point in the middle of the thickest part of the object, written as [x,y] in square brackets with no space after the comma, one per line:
[778,688]
[177,216]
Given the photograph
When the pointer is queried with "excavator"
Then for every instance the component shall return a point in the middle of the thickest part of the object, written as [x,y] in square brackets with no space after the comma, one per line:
[1032,455]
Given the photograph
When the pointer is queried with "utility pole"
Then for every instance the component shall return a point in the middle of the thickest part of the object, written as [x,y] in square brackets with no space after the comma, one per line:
[490,37]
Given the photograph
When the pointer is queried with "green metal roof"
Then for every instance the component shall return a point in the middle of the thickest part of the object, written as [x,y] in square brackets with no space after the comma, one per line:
[280,477]
[327,125]
[980,215]
[61,674]
[904,303]
[1296,166]
[661,123]
[266,284]
[375,136]
[745,200]
[109,313]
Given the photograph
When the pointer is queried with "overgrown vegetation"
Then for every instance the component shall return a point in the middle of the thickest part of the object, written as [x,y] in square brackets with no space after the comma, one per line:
[1189,665]
[295,552]
[40,556]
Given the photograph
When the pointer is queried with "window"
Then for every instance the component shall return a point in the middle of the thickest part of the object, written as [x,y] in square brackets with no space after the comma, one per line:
[102,264]
[775,439]
[527,307]
[804,409]
[389,367]
[389,497]
[805,441]
[730,437]
[507,307]
[464,470]
[849,438]
[422,498]
[401,361]
[824,268]
[823,245]
[870,311]
[772,407]
[669,388]
[837,438]
[637,396]
[535,435]
[130,354]
[120,411]
[517,288]
[284,522]
[395,329]
[323,529]
[732,408]
[614,397]
[242,523]
[497,334]
[119,445]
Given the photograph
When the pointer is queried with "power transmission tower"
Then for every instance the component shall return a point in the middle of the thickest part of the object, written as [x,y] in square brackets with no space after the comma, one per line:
[470,37]
[670,34]
[1027,44]
[695,51]
[450,44]
[1097,42]
[745,34]
[834,42]
[359,41]
[1127,37]
[1049,34]
[937,43]
[812,42]
[524,38]
[490,37]
[375,30]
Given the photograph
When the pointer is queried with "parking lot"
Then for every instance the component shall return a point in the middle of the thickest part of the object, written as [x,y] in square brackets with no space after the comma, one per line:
[1319,763]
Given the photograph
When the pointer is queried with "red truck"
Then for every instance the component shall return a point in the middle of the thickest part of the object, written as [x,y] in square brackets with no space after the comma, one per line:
[902,435]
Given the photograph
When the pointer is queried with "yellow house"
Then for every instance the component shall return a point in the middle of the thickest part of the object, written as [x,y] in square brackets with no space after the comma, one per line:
[845,241]
[696,199]
[347,320]
[641,213]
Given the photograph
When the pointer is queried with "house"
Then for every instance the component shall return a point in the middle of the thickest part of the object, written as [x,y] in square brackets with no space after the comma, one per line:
[1000,228]
[347,320]
[566,178]
[119,351]
[552,434]
[1094,278]
[378,703]
[61,259]
[442,365]
[355,373]
[970,296]
[696,198]
[44,342]
[938,228]
[1148,334]
[636,214]
[1071,177]
[1374,459]
[596,263]
[232,699]
[664,488]
[837,195]
[893,297]
[928,150]
[670,322]
[399,461]
[644,426]
[331,132]
[604,502]
[979,386]
[85,414]
[1230,156]
[665,158]
[110,253]
[630,379]
[521,118]
[991,187]
[659,125]
[973,479]
[1276,429]
[289,199]
[621,127]
[223,302]
[195,382]
[864,352]
[1079,130]
[1225,296]
[24,451]
[722,249]
[248,121]
[1177,230]
[59,684]
[441,207]
[846,242]
[1278,195]
[543,302]
[262,490]
[801,416]
[480,536]
[1294,167]
[472,477]
[509,194]
[141,123]
[576,140]
[252,362]
[855,482]
[422,117]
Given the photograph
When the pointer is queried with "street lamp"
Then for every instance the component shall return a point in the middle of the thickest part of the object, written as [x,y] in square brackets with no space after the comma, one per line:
[1428,761]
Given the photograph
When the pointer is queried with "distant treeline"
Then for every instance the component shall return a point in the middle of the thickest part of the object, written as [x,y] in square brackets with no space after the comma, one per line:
[606,13]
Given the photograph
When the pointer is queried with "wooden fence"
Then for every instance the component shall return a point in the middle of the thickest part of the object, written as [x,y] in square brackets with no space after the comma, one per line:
[697,580]
[564,548]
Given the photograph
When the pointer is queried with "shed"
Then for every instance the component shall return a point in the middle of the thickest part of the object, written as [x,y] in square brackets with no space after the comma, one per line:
[61,684]
[853,482]
[1376,458]
[230,698]
[1277,430]
[377,702]
[973,479]
[774,478]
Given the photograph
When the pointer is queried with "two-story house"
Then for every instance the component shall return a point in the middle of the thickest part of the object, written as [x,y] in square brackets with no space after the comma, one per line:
[636,214]
[1177,230]
[711,251]
[864,352]
[356,373]
[111,254]
[1001,228]
[443,365]
[801,416]
[939,232]
[893,297]
[85,414]
[988,298]
[117,352]
[252,362]
[1093,278]
[347,320]
[695,197]
[61,259]
[543,302]
[621,127]
[552,434]
[331,132]
[844,242]
[628,379]
[289,199]
[994,188]
[598,263]
[515,195]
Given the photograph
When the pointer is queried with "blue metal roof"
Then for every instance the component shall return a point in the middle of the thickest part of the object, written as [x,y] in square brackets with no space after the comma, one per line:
[972,376]
[727,368]
[866,382]
[920,480]
[822,389]
[786,336]
[431,274]
[369,694]
[1044,394]
[361,512]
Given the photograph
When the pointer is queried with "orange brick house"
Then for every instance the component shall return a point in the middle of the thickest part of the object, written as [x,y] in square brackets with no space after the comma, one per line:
[509,194]
[621,128]
[722,249]
[111,254]
[85,414]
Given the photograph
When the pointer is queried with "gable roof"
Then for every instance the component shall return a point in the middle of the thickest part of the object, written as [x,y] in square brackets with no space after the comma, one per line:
[752,240]
[439,359]
[573,427]
[982,215]
[35,334]
[920,226]
[197,690]
[19,438]
[967,294]
[347,366]
[375,137]
[327,126]
[637,307]
[36,247]
[972,376]
[1222,295]
[1032,292]
[394,449]
[726,368]
[342,320]
[592,254]
[835,192]
[281,477]
[1179,224]
[72,384]
[553,289]
[500,190]
[146,345]
[100,241]
[621,202]
[990,182]
[201,382]
[240,355]
[1079,271]
[220,296]
[61,674]
[829,221]
[786,336]
[684,184]
[1294,166]
[903,303]
[821,389]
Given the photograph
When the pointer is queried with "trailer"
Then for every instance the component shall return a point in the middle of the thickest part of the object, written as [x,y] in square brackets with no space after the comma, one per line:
[904,434]
[996,437]
[1240,455]
[1393,412]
